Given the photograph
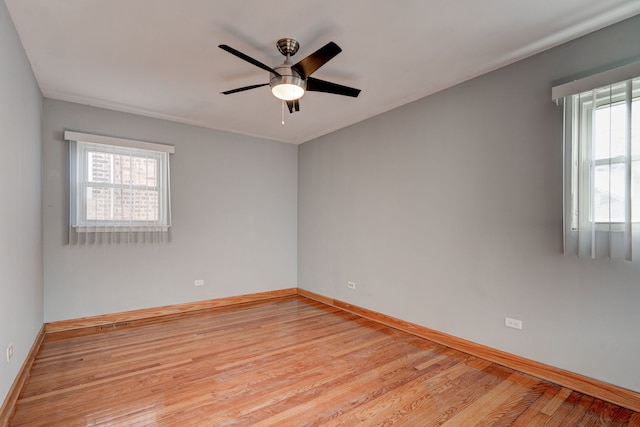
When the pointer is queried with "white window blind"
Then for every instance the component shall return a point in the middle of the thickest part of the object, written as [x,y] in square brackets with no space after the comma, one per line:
[602,165]
[119,189]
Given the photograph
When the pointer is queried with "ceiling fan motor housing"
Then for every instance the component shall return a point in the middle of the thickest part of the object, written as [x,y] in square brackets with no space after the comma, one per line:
[289,85]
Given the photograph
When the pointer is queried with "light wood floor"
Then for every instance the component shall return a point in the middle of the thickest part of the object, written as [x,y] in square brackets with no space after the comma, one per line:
[285,362]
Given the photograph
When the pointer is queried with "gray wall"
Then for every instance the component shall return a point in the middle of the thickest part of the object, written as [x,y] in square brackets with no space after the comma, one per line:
[234,219]
[20,212]
[448,213]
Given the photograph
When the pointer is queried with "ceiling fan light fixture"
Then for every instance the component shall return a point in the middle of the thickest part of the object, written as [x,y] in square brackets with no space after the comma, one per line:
[287,88]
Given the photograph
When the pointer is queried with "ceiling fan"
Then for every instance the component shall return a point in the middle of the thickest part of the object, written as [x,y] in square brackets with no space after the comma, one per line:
[290,82]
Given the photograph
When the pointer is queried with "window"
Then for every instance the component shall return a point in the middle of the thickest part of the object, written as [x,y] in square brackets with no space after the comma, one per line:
[602,163]
[606,156]
[118,185]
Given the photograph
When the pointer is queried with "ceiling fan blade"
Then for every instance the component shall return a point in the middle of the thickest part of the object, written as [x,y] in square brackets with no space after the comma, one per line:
[248,58]
[316,60]
[318,85]
[241,89]
[293,105]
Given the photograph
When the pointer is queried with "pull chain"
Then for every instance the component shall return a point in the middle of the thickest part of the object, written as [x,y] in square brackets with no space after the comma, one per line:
[282,113]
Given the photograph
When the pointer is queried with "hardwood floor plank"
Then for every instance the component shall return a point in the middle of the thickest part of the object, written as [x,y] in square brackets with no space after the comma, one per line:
[571,411]
[634,421]
[490,401]
[551,407]
[506,413]
[533,411]
[288,361]
[599,414]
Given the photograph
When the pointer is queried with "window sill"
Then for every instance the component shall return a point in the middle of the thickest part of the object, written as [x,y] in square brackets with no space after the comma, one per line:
[119,229]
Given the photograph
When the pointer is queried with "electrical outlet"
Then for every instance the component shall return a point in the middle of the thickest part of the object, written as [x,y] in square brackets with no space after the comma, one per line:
[9,352]
[512,323]
[351,285]
[198,283]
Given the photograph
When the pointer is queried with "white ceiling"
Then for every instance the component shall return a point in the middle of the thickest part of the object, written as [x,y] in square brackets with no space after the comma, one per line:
[160,58]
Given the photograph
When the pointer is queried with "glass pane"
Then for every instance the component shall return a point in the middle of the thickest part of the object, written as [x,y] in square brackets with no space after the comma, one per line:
[99,167]
[610,131]
[609,193]
[122,204]
[141,205]
[122,169]
[99,204]
[144,171]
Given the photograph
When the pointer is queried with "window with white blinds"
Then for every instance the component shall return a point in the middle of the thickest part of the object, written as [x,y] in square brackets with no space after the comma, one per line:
[602,165]
[118,186]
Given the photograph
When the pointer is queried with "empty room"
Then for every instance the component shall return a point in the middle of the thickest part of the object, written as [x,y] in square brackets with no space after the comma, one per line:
[320,213]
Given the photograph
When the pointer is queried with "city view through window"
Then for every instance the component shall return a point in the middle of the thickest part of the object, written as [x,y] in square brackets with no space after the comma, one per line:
[122,188]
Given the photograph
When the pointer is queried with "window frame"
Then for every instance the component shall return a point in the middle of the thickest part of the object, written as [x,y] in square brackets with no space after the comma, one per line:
[81,145]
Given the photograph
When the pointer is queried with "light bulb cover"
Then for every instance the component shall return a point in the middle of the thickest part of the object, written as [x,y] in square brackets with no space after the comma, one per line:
[287,92]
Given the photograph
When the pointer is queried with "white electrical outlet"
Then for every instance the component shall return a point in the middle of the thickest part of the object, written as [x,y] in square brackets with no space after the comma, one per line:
[9,352]
[351,285]
[512,323]
[198,283]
